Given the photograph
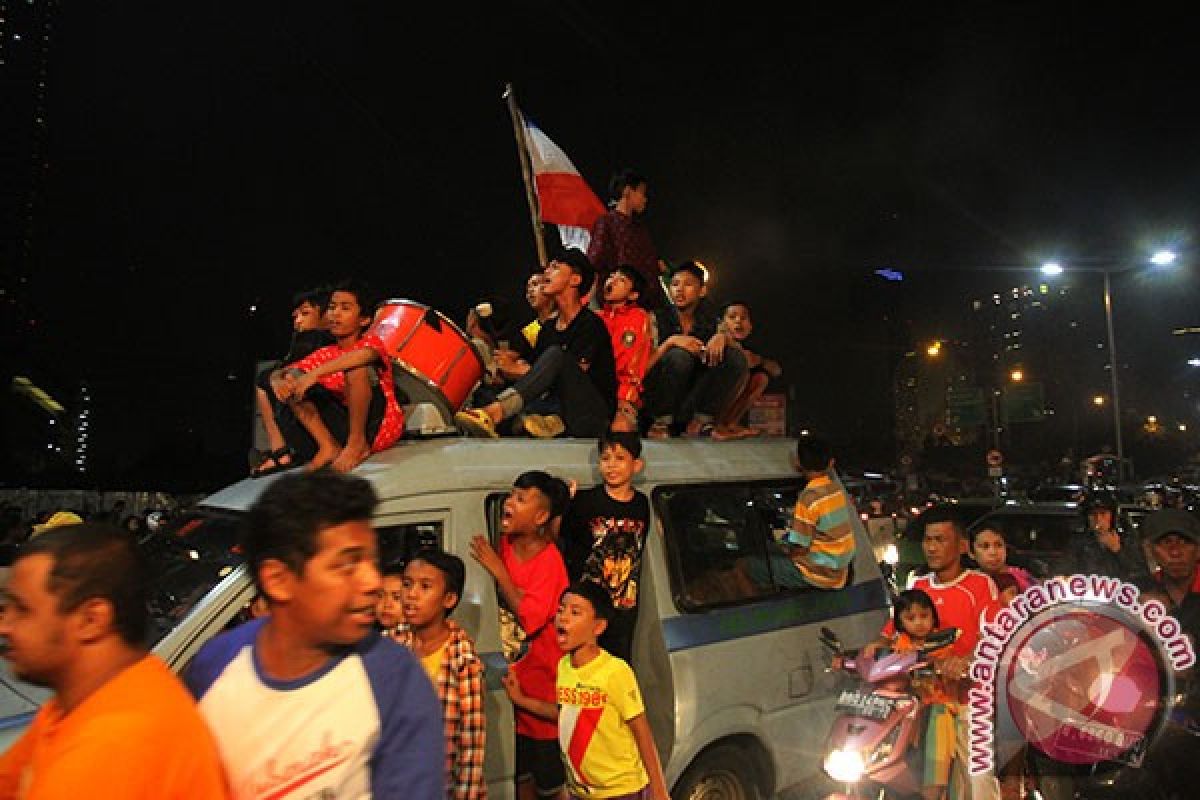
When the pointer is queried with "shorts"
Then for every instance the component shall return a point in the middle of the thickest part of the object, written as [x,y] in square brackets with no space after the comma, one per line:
[539,760]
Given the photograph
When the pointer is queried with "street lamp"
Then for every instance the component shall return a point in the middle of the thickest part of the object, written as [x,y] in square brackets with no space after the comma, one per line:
[1161,258]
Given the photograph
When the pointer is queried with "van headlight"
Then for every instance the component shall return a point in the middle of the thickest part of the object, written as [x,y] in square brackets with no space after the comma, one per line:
[891,555]
[845,766]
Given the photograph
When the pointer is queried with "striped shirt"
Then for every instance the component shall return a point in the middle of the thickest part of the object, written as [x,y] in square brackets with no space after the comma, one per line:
[823,534]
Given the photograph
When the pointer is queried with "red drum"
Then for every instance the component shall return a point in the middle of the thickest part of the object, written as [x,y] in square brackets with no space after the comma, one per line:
[436,362]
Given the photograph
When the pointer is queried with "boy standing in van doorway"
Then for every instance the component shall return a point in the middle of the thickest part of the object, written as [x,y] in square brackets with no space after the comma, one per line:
[603,734]
[309,700]
[530,576]
[604,534]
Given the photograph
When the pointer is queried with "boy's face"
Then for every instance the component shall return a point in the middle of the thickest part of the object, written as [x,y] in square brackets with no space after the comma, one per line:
[558,277]
[345,316]
[637,197]
[737,321]
[534,292]
[576,623]
[425,597]
[917,621]
[306,317]
[391,602]
[618,466]
[525,511]
[332,600]
[619,289]
[686,290]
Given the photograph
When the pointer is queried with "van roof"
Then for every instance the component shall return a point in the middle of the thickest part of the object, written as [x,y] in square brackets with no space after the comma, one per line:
[418,467]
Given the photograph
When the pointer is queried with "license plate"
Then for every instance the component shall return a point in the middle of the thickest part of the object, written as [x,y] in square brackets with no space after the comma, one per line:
[865,704]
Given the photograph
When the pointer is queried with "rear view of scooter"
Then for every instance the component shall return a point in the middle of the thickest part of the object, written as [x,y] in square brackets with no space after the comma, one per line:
[873,747]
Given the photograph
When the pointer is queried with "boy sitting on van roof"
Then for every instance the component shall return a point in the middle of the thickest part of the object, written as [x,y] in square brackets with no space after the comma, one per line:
[353,412]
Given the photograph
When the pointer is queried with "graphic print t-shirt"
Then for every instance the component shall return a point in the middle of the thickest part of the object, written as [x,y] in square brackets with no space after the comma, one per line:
[603,540]
[596,702]
[366,724]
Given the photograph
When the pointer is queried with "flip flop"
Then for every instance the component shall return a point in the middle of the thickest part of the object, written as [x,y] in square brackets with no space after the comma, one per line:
[476,422]
[277,465]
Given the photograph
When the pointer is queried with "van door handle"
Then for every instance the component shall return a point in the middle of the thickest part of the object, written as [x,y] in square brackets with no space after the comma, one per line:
[800,679]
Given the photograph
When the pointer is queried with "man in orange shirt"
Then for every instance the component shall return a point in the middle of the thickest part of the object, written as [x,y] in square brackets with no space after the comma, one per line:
[120,725]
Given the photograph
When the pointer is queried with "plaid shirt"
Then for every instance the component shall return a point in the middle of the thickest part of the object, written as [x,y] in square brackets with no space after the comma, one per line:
[459,686]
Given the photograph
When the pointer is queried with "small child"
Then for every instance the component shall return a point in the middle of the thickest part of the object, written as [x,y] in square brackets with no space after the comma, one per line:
[531,577]
[603,734]
[432,586]
[735,321]
[915,617]
[604,533]
[389,611]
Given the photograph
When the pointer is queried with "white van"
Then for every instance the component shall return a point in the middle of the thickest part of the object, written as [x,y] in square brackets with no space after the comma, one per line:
[731,672]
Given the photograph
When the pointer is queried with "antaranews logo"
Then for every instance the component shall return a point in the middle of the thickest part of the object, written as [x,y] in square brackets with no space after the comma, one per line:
[1080,667]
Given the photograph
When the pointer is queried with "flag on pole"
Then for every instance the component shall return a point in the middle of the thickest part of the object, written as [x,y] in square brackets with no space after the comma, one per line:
[564,197]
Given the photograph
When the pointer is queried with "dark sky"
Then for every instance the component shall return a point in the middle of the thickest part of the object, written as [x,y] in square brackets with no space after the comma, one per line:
[207,157]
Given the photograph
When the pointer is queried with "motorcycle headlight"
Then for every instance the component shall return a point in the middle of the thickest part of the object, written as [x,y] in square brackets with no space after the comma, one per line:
[891,555]
[845,766]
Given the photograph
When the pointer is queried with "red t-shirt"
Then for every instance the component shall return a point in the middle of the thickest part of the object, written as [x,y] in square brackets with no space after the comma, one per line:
[543,578]
[392,426]
[966,603]
[629,328]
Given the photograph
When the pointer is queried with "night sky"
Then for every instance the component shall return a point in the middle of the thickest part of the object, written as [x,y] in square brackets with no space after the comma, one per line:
[209,157]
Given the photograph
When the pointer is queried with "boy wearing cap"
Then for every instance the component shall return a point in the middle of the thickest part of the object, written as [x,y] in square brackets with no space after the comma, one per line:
[573,359]
[694,372]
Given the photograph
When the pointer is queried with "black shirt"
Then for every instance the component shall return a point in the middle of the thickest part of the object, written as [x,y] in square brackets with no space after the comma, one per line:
[704,322]
[602,541]
[588,341]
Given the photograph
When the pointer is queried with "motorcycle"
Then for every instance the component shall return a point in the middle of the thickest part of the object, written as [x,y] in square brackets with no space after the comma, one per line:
[880,721]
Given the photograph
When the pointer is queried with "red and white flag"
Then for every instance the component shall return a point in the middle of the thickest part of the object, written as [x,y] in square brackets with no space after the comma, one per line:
[564,197]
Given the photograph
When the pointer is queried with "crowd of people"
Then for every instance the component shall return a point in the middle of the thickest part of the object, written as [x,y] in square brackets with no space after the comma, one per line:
[353,679]
[612,339]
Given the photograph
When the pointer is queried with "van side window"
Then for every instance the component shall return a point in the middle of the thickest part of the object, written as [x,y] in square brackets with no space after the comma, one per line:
[714,532]
[399,543]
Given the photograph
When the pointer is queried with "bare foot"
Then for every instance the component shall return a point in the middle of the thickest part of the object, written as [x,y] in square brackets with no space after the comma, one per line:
[324,457]
[351,456]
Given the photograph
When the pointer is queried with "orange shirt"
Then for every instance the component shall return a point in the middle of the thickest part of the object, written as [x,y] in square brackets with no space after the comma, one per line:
[137,737]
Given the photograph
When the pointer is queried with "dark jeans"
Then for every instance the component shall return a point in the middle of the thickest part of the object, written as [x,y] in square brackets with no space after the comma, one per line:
[586,413]
[679,385]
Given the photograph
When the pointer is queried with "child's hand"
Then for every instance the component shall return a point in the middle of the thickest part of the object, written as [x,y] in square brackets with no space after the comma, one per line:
[483,552]
[716,349]
[282,386]
[513,687]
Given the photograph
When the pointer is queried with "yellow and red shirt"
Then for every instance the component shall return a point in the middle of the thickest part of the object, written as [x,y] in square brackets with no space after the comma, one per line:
[595,703]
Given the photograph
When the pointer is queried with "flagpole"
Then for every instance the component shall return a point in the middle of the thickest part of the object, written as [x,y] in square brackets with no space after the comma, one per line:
[526,172]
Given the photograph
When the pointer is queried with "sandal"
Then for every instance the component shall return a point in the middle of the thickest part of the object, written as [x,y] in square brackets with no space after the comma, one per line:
[659,430]
[476,422]
[277,463]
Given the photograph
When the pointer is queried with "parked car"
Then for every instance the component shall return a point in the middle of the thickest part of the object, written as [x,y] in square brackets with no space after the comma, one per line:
[714,505]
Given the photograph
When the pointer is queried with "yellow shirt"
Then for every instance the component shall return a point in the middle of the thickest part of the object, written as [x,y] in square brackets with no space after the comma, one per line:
[432,663]
[595,705]
[530,332]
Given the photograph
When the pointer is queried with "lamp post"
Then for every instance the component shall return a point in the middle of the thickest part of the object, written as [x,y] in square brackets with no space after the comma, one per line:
[1162,258]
